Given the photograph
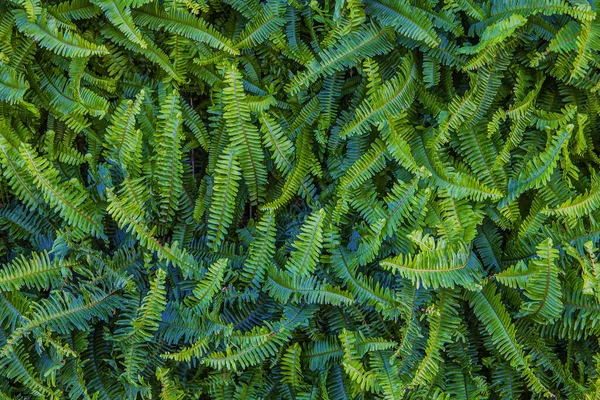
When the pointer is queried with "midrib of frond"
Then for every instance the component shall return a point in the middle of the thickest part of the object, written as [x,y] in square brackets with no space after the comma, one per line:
[366,166]
[435,174]
[480,83]
[410,321]
[154,300]
[388,376]
[57,90]
[288,162]
[582,203]
[545,166]
[12,84]
[22,55]
[30,378]
[98,278]
[535,9]
[489,167]
[66,44]
[13,308]
[71,9]
[274,140]
[334,352]
[263,341]
[133,194]
[130,28]
[262,248]
[437,271]
[525,273]
[293,361]
[58,195]
[401,201]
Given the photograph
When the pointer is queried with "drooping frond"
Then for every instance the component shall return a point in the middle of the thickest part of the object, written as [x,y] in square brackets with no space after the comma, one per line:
[46,31]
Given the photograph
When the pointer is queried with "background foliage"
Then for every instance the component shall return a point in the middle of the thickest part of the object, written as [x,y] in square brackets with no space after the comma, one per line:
[334,199]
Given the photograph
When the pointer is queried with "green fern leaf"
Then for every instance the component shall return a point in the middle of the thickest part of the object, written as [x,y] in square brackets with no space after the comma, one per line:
[182,23]
[244,136]
[46,32]
[12,85]
[221,212]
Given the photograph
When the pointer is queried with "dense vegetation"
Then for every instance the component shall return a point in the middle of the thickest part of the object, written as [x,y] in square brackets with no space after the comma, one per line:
[293,199]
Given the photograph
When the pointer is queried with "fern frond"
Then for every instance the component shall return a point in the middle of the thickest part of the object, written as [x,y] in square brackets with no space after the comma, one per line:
[46,32]
[35,271]
[221,212]
[443,265]
[443,322]
[538,171]
[169,169]
[366,42]
[307,246]
[120,16]
[206,289]
[149,315]
[261,251]
[543,288]
[69,199]
[182,23]
[244,137]
[122,139]
[262,26]
[12,85]
[394,95]
[407,19]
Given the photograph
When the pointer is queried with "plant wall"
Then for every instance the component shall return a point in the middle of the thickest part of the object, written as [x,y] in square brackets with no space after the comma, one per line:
[293,199]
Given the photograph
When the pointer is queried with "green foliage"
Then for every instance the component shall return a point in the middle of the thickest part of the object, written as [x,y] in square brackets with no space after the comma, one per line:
[294,199]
